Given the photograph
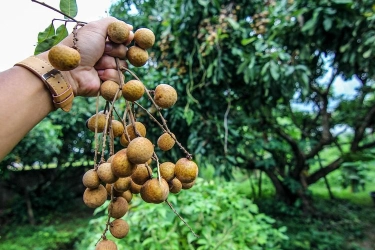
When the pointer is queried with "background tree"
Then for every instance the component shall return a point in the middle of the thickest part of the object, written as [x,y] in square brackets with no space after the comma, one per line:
[241,68]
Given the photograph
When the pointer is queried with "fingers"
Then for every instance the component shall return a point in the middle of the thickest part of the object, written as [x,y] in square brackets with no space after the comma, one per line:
[109,62]
[110,74]
[115,50]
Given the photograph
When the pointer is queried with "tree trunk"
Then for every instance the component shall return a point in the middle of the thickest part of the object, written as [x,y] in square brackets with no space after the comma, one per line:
[30,212]
[285,194]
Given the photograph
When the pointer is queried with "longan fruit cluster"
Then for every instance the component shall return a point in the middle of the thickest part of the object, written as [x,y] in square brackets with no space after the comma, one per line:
[134,169]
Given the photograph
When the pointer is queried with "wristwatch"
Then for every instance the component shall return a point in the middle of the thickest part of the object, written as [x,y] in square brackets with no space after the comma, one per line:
[61,91]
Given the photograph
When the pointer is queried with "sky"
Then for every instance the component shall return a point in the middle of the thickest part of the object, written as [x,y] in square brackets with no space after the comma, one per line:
[22,20]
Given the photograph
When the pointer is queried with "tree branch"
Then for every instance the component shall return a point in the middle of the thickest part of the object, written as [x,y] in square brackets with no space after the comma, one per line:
[360,130]
[324,171]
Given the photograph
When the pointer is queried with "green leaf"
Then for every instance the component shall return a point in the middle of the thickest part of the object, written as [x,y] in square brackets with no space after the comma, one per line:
[367,54]
[247,41]
[189,114]
[47,33]
[327,24]
[44,45]
[69,7]
[342,1]
[61,33]
[274,69]
[233,23]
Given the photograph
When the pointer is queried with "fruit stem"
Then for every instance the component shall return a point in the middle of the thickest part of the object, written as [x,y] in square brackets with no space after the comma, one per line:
[182,219]
[58,11]
[96,133]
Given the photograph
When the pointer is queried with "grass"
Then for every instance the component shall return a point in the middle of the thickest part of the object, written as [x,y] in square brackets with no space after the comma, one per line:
[56,231]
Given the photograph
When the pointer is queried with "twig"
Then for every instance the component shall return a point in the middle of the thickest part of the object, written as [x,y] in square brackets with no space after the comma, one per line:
[54,9]
[182,219]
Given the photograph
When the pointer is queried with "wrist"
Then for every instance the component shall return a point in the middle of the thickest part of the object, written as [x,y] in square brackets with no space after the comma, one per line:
[60,90]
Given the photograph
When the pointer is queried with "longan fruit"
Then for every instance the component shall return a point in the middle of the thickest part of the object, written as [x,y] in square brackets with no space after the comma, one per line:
[141,174]
[175,186]
[64,58]
[141,129]
[117,128]
[99,119]
[135,188]
[167,170]
[109,189]
[165,96]
[154,191]
[119,228]
[94,198]
[188,185]
[91,179]
[137,56]
[133,90]
[186,170]
[121,166]
[166,142]
[144,38]
[108,90]
[122,184]
[140,150]
[118,207]
[128,195]
[118,32]
[106,245]
[106,174]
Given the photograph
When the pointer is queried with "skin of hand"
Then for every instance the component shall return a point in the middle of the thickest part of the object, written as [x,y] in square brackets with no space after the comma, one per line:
[24,98]
[97,57]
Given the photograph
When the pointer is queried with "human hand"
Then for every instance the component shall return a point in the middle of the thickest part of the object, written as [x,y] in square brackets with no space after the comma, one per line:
[97,57]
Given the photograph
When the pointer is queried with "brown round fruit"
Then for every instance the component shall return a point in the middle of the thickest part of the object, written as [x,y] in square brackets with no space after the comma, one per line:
[121,166]
[167,170]
[91,179]
[109,189]
[135,188]
[144,38]
[122,184]
[99,119]
[188,185]
[141,130]
[186,170]
[175,186]
[106,174]
[127,195]
[140,150]
[139,127]
[106,245]
[137,56]
[118,208]
[108,90]
[141,174]
[154,191]
[165,96]
[117,128]
[118,32]
[119,228]
[166,141]
[133,90]
[64,58]
[94,198]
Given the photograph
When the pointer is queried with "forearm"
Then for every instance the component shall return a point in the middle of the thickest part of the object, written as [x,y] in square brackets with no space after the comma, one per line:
[24,102]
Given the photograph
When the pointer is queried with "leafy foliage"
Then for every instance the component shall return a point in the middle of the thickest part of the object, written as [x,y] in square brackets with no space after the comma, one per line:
[244,70]
[221,215]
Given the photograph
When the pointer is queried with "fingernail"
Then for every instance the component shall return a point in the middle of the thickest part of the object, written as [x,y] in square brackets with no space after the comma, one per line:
[108,47]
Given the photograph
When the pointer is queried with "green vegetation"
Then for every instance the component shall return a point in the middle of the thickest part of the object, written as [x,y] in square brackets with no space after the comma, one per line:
[257,107]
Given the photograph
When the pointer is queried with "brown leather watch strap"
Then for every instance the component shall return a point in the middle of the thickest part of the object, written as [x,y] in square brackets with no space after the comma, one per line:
[62,92]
